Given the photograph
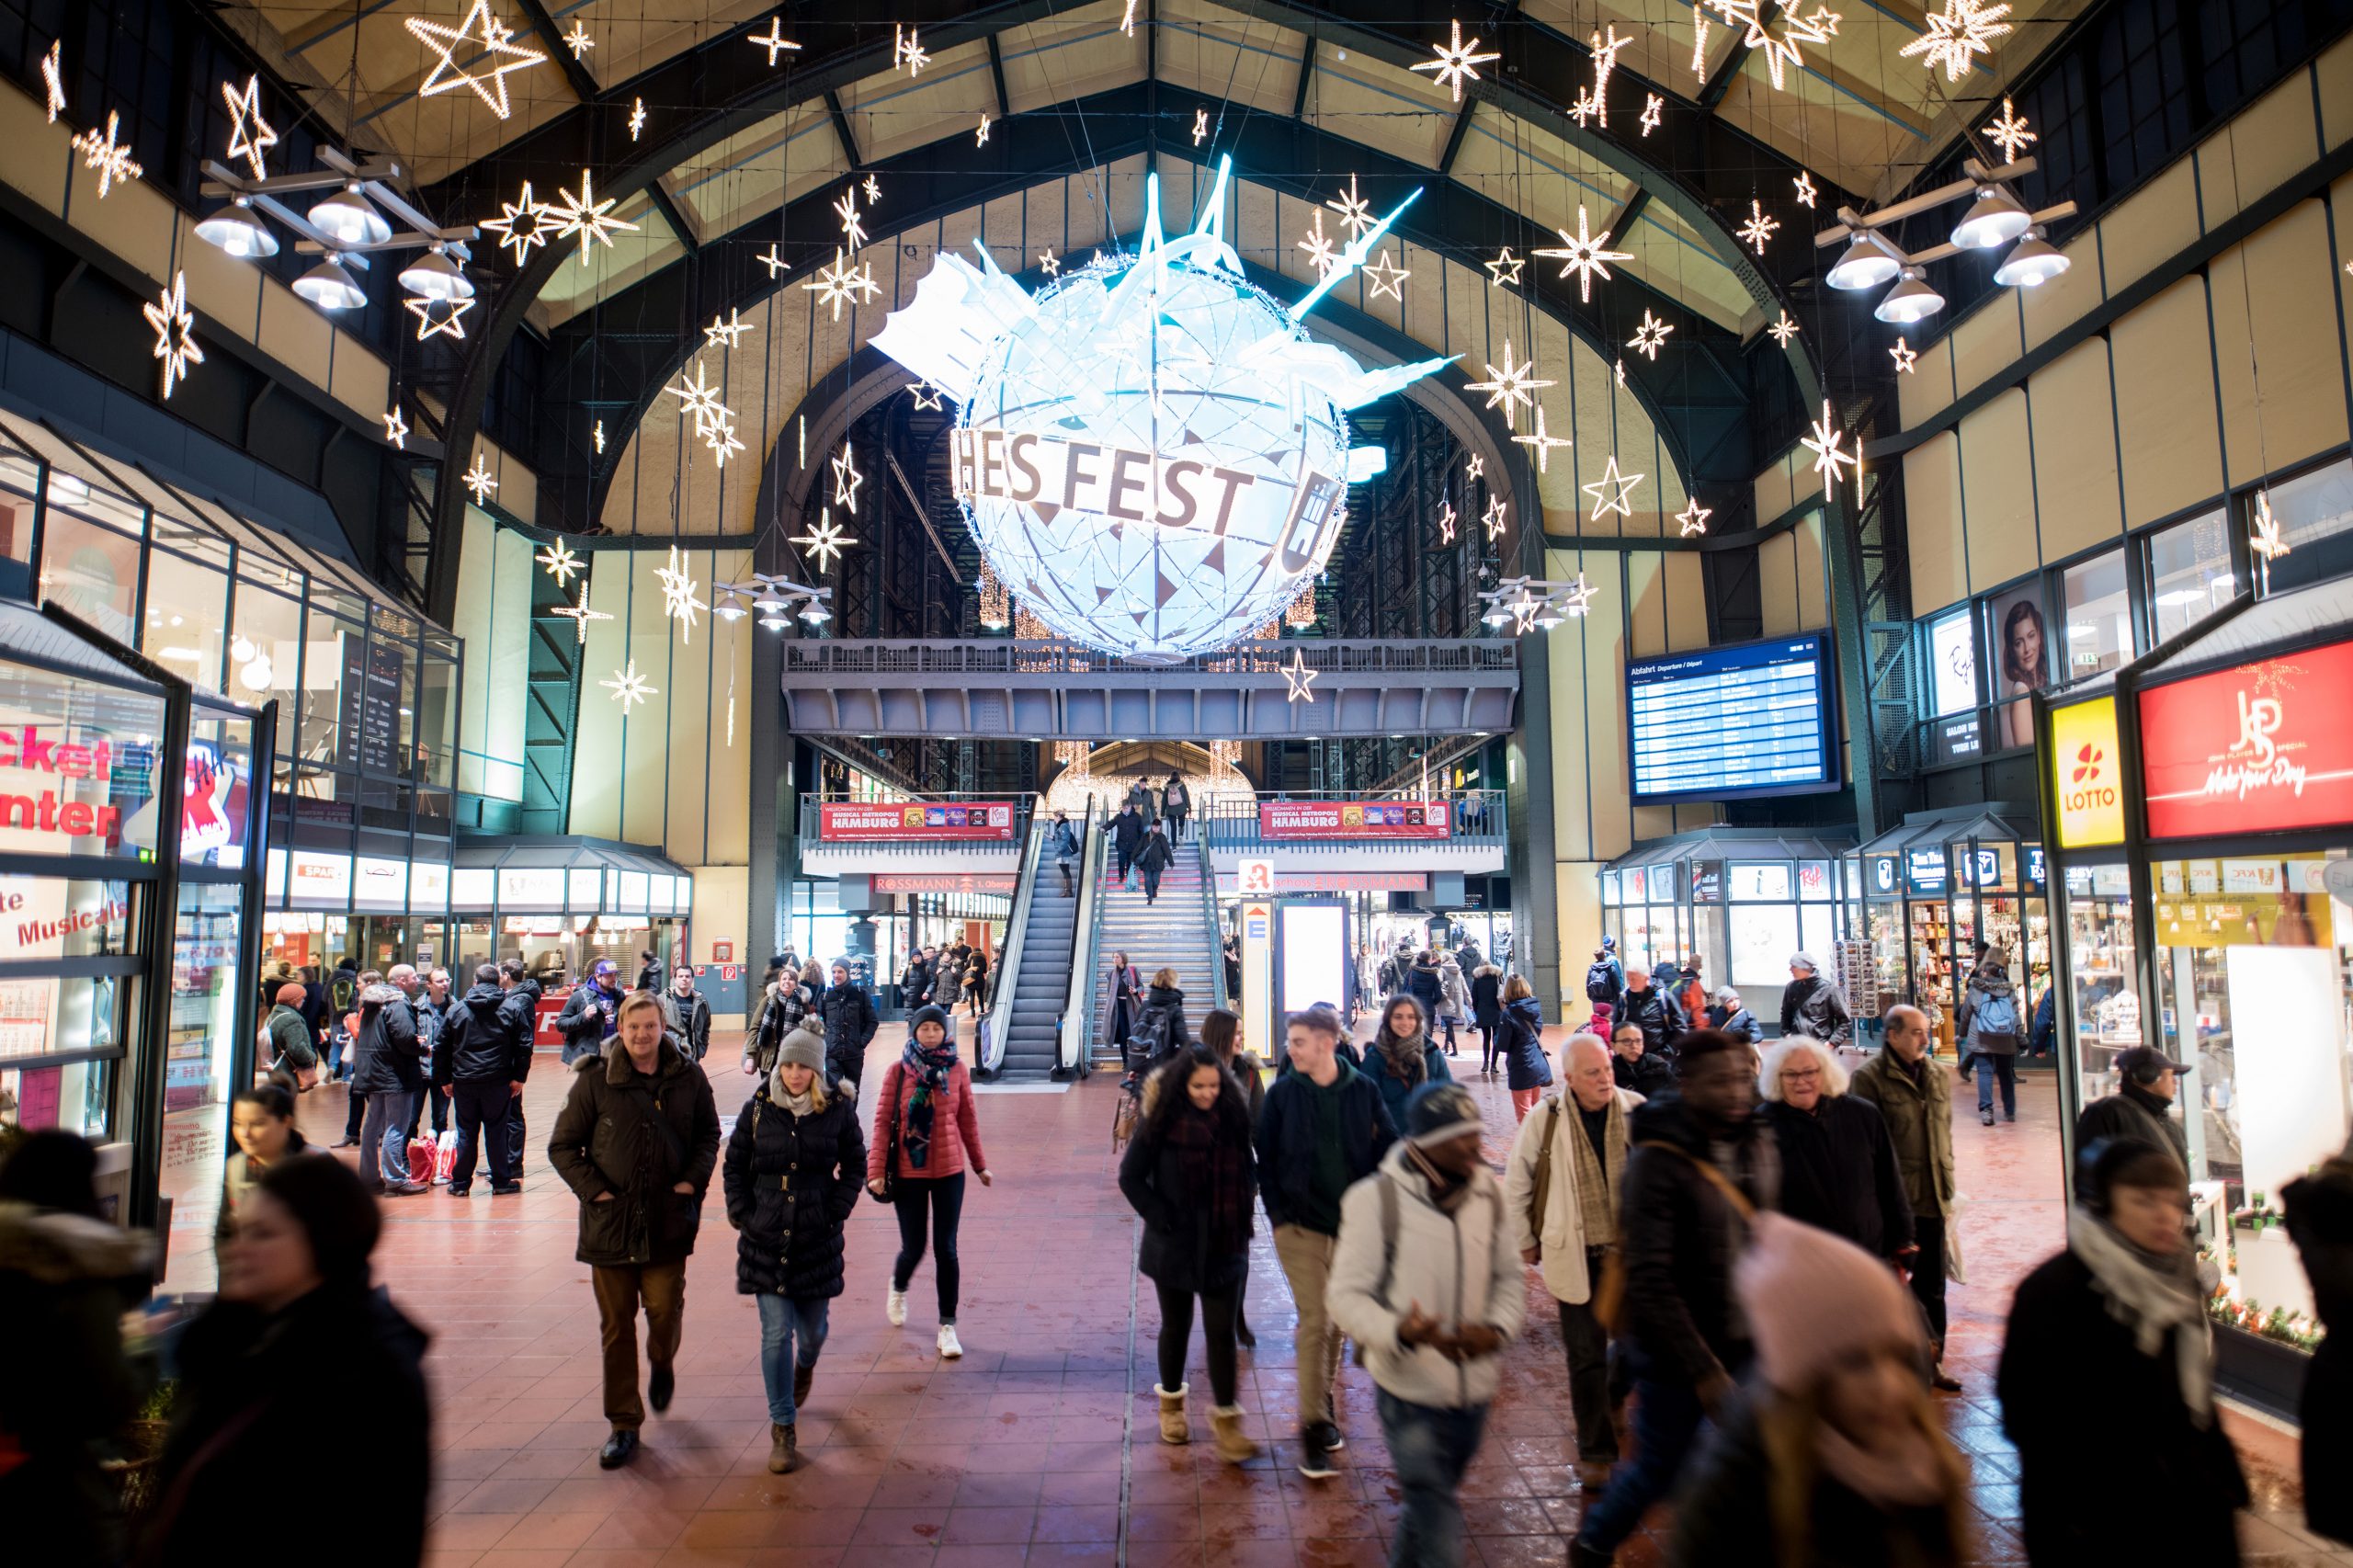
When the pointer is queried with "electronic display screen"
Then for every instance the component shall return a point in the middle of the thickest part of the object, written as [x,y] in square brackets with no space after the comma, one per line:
[1732,723]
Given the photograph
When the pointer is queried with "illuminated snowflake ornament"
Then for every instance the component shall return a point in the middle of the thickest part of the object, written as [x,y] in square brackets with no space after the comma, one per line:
[1783,330]
[1582,255]
[1825,443]
[577,39]
[1759,228]
[1455,63]
[1152,452]
[580,615]
[636,118]
[1509,387]
[479,480]
[823,542]
[521,224]
[53,79]
[585,216]
[1650,336]
[1321,254]
[2263,536]
[907,52]
[842,284]
[2009,133]
[1356,216]
[774,40]
[1963,29]
[1541,443]
[628,687]
[108,155]
[561,562]
[678,601]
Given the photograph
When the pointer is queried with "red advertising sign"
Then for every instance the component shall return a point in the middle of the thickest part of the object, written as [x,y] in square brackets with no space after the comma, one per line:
[1352,819]
[2252,749]
[871,820]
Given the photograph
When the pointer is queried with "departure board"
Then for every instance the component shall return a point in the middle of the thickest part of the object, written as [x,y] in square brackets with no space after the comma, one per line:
[1727,723]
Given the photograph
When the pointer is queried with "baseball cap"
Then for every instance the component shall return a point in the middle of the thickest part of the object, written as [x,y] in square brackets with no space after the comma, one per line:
[2148,1059]
[606,966]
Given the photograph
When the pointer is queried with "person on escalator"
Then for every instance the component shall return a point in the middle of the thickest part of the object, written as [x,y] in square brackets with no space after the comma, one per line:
[1152,858]
[1061,843]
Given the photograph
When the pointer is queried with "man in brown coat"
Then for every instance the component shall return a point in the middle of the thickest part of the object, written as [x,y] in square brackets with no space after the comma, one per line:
[1914,1096]
[637,1139]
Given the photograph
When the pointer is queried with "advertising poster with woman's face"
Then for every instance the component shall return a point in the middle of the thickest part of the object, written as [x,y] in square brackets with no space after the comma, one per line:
[2021,645]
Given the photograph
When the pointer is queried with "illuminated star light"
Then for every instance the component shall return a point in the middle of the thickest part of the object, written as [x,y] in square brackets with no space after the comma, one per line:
[111,158]
[774,41]
[1903,357]
[1541,442]
[840,282]
[521,223]
[678,601]
[53,79]
[1497,515]
[981,136]
[1699,47]
[1650,336]
[1759,228]
[773,262]
[1783,330]
[628,687]
[1049,265]
[636,118]
[1318,247]
[578,40]
[1694,517]
[1621,369]
[1611,491]
[1456,63]
[907,52]
[873,189]
[173,324]
[249,134]
[925,395]
[562,562]
[1475,466]
[1446,520]
[1200,126]
[852,231]
[1605,61]
[1964,28]
[823,543]
[448,74]
[1127,20]
[700,399]
[1296,672]
[729,331]
[1806,192]
[597,435]
[585,216]
[847,478]
[1385,277]
[1586,108]
[2009,133]
[1509,386]
[396,427]
[439,318]
[1654,111]
[721,437]
[1582,254]
[1781,50]
[1824,444]
[1576,598]
[1356,214]
[479,480]
[1505,268]
[2264,536]
[580,615]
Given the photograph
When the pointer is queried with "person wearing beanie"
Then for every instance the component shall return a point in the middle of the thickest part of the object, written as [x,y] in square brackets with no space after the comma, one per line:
[926,1128]
[792,1175]
[2109,1352]
[251,1398]
[1701,1168]
[291,1044]
[1426,1279]
[1835,1456]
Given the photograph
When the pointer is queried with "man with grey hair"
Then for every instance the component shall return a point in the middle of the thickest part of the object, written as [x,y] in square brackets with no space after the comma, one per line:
[1915,1098]
[432,1013]
[1811,1005]
[390,1075]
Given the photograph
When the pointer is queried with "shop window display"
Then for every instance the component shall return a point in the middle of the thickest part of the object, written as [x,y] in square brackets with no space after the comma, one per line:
[2315,515]
[2106,1011]
[2099,614]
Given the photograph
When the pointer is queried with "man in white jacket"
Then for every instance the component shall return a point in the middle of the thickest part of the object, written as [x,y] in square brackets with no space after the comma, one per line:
[1426,1281]
[1561,1187]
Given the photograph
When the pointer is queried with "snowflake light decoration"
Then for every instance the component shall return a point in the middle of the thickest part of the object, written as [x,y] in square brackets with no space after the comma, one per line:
[847,478]
[479,480]
[774,263]
[1650,336]
[1759,228]
[1621,368]
[520,225]
[1582,255]
[580,615]
[108,155]
[1457,61]
[1610,492]
[698,399]
[1905,358]
[1505,268]
[1509,387]
[2009,133]
[1296,672]
[488,45]
[174,325]
[1321,254]
[1962,30]
[730,332]
[53,79]
[824,540]
[853,226]
[678,601]
[439,318]
[842,283]
[396,427]
[1356,215]
[774,40]
[719,437]
[1127,20]
[907,52]
[1828,453]
[1694,517]
[577,39]
[1605,61]
[1200,126]
[1577,598]
[1497,517]
[561,562]
[585,216]
[636,118]
[1783,330]
[873,189]
[1586,108]
[1385,277]
[1654,111]
[249,134]
[1807,194]
[2263,535]
[1541,442]
[628,687]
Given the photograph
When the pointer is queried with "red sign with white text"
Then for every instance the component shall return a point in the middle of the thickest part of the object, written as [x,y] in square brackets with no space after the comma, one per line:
[1352,819]
[2251,749]
[870,821]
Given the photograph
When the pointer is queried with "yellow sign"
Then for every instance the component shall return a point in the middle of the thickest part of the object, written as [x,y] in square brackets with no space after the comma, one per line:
[2088,774]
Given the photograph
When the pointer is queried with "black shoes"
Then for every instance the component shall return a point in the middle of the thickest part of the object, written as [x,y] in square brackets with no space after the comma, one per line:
[462,1192]
[619,1450]
[659,1387]
[1241,1334]
[1584,1556]
[1944,1381]
[1314,1455]
[509,1190]
[348,1143]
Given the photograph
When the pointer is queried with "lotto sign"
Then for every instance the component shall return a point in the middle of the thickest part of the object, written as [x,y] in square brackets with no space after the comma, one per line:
[2086,775]
[1353,819]
[1256,878]
[870,821]
[2252,749]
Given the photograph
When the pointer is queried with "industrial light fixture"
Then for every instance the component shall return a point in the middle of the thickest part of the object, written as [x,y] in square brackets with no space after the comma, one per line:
[2032,261]
[342,228]
[1995,218]
[330,287]
[1869,261]
[347,218]
[237,229]
[433,276]
[1911,299]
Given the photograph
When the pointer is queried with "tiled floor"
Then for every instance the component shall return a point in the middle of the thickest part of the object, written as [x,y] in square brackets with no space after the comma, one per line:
[1040,1446]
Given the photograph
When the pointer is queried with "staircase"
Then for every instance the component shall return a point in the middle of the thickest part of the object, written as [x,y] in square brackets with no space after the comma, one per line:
[1174,932]
[1042,986]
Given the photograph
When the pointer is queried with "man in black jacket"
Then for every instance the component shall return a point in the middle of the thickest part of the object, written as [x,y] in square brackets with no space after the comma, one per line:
[689,1012]
[523,994]
[2141,1108]
[850,1023]
[1323,1128]
[1648,1006]
[390,1075]
[484,1050]
[1632,1065]
[1152,858]
[1127,837]
[1701,1165]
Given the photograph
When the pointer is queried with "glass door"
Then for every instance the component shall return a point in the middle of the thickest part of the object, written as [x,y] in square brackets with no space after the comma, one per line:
[2103,1014]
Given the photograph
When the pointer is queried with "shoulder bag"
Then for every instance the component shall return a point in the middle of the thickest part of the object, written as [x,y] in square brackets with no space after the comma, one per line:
[1609,1291]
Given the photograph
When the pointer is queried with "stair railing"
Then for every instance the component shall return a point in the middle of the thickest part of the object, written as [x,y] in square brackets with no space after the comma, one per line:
[1076,1056]
[1005,976]
[1209,923]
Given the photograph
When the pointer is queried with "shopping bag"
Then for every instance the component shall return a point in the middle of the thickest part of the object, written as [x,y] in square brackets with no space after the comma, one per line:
[1956,1266]
[445,1157]
[421,1153]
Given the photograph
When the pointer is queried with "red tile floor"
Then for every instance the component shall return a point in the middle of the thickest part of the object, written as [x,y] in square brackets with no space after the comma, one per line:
[1040,1446]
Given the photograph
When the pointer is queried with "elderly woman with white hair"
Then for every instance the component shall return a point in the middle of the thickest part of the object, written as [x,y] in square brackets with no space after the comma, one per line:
[1838,1165]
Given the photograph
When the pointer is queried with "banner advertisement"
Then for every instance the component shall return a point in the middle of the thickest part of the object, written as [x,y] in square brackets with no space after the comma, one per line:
[1353,819]
[2085,770]
[2256,748]
[942,881]
[870,821]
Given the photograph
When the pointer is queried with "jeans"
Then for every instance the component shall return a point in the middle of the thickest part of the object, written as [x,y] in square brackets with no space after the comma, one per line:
[1151,885]
[1431,1448]
[944,1197]
[439,1098]
[516,1134]
[661,1289]
[1929,1274]
[1219,1313]
[1306,1257]
[2006,1068]
[784,1321]
[479,1107]
[1667,1417]
[1590,1398]
[383,1139]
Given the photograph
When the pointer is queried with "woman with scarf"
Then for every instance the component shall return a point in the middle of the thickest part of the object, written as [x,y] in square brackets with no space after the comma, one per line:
[1126,993]
[926,1126]
[1519,1040]
[1836,1456]
[1190,1174]
[1403,1057]
[2109,1353]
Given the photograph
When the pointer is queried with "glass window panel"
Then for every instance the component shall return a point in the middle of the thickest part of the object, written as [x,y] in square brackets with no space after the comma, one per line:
[19,476]
[76,1095]
[82,785]
[186,608]
[99,503]
[2098,616]
[197,1075]
[436,720]
[265,653]
[193,540]
[90,571]
[2316,514]
[55,917]
[2190,573]
[337,602]
[1952,663]
[329,646]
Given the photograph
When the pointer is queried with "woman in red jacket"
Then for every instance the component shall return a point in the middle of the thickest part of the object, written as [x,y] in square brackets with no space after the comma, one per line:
[925,1128]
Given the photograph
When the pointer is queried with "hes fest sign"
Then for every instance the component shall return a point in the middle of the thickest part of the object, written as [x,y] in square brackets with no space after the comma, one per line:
[2256,748]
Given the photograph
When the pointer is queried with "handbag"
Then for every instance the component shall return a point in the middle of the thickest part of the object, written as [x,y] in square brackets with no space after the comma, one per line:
[1609,1295]
[1544,1171]
[891,1151]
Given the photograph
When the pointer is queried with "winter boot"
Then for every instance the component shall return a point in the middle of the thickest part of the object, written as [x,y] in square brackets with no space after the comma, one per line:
[1172,1428]
[784,1447]
[803,1376]
[1233,1444]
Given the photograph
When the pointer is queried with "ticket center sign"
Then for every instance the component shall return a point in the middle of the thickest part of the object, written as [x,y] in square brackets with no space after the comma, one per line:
[869,821]
[2088,774]
[1353,819]
[2256,748]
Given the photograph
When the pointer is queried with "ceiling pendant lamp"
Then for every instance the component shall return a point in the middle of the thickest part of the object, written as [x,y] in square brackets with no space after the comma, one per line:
[348,217]
[2031,261]
[433,276]
[1865,266]
[1911,299]
[1995,220]
[237,229]
[330,287]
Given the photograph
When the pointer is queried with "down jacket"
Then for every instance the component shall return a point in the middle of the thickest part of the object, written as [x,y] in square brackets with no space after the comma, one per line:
[391,1053]
[790,1183]
[850,1024]
[955,1125]
[485,1039]
[1522,1041]
[787,1003]
[636,1136]
[1840,1171]
[1681,1235]
[1486,995]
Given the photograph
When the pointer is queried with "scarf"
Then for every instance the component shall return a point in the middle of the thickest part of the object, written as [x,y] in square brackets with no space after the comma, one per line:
[799,1105]
[1407,1056]
[1903,1469]
[929,1071]
[2153,1298]
[1597,1179]
[1448,1194]
[1211,1168]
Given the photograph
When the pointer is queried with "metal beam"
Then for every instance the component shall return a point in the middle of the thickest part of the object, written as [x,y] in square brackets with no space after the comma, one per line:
[674,215]
[842,129]
[996,74]
[543,24]
[1306,74]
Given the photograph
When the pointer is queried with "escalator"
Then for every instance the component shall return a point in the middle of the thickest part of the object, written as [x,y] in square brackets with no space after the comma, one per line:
[1025,1016]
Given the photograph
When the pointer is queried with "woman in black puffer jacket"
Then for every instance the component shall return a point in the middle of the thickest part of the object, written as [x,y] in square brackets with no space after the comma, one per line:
[792,1172]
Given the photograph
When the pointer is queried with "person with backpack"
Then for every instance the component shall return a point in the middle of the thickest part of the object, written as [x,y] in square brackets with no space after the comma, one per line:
[1991,1032]
[292,1047]
[927,1129]
[1062,845]
[1692,995]
[1425,1276]
[1603,980]
[1176,806]
[1160,1032]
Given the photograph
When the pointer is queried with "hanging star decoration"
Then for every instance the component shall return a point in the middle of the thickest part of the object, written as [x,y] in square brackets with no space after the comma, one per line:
[561,562]
[175,324]
[773,262]
[1446,520]
[1650,336]
[1783,330]
[439,318]
[2009,133]
[1356,214]
[697,398]
[1577,597]
[585,216]
[853,229]
[721,437]
[1510,386]
[1962,30]
[519,224]
[1495,518]
[823,543]
[1385,277]
[1698,45]
[1654,111]
[729,332]
[396,427]
[1824,443]
[873,189]
[847,478]
[1318,247]
[1694,517]
[578,40]
[53,79]
[1457,61]
[479,480]
[925,395]
[491,46]
[109,156]
[1582,255]
[636,118]
[907,52]
[774,40]
[1783,49]
[1605,61]
[1127,20]
[596,434]
[2264,536]
[1610,491]
[1806,192]
[1905,358]
[1541,443]
[1296,672]
[628,687]
[1474,467]
[1049,265]
[1505,268]
[580,615]
[1200,126]
[981,136]
[249,134]
[1586,108]
[1759,228]
[1621,369]
[678,601]
[842,282]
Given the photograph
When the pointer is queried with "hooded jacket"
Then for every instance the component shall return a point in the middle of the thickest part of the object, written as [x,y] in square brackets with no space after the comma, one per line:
[1454,995]
[1460,1267]
[482,1039]
[1680,1236]
[1486,995]
[792,1182]
[1426,985]
[290,1038]
[1285,1140]
[390,1054]
[636,1136]
[787,1004]
[1522,1035]
[850,1023]
[1989,983]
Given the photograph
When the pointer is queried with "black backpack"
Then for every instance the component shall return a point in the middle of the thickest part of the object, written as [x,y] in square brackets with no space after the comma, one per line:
[1600,984]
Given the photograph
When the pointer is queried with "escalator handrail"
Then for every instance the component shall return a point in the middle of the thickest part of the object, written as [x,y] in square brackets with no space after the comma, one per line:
[1208,918]
[1006,979]
[1077,1022]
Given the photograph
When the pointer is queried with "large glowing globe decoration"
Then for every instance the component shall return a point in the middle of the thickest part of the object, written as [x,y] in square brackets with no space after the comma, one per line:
[1153,453]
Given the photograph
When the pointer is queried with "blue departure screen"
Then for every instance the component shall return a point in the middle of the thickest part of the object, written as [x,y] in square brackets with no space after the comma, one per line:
[1722,724]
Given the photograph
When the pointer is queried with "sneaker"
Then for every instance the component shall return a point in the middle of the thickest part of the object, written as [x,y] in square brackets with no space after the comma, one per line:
[1986,1117]
[1333,1439]
[949,1348]
[895,1307]
[1315,1459]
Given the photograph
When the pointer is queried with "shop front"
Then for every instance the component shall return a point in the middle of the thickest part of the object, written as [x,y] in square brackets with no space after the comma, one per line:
[564,903]
[1743,900]
[1929,894]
